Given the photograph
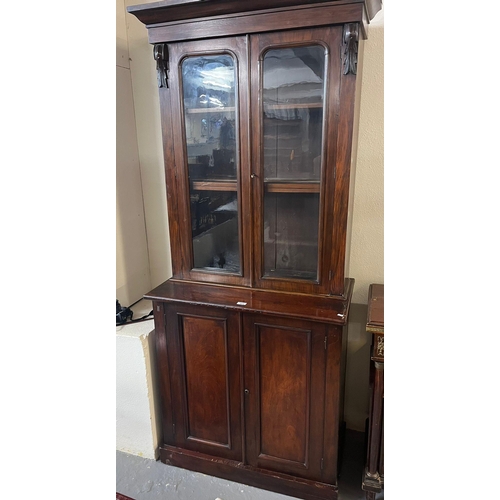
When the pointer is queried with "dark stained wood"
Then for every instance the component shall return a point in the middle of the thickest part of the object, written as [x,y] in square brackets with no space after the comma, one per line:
[206,391]
[238,48]
[163,372]
[252,368]
[328,38]
[172,189]
[336,346]
[119,496]
[246,474]
[161,58]
[257,169]
[292,187]
[343,147]
[381,457]
[374,471]
[205,357]
[332,309]
[375,315]
[215,185]
[308,16]
[168,11]
[334,197]
[299,105]
[284,393]
[285,397]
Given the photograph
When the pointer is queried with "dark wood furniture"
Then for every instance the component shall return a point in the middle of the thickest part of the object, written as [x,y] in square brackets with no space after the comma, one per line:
[257,106]
[119,496]
[373,479]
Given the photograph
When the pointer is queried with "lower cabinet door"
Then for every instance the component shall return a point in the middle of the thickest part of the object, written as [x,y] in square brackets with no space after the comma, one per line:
[284,394]
[203,347]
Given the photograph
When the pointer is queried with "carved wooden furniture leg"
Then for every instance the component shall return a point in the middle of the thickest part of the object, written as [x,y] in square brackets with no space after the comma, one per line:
[372,475]
[373,479]
[381,460]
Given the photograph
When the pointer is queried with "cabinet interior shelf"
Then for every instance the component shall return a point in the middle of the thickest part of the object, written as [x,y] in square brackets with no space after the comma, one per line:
[226,109]
[270,186]
[294,105]
[292,187]
[291,243]
[215,185]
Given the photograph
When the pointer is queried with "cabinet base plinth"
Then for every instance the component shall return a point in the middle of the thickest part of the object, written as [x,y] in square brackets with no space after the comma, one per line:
[245,474]
[373,484]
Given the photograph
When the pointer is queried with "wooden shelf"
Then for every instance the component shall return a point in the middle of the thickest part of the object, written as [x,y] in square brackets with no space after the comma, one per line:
[296,105]
[270,187]
[227,109]
[218,185]
[292,187]
[294,243]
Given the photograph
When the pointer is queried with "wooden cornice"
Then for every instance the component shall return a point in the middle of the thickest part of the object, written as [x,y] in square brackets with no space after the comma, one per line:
[168,11]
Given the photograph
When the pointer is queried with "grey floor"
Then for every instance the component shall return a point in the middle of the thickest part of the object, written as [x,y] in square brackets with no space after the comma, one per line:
[145,479]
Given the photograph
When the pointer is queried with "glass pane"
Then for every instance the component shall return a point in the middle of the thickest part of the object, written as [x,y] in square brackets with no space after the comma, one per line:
[214,219]
[293,112]
[293,100]
[209,92]
[291,235]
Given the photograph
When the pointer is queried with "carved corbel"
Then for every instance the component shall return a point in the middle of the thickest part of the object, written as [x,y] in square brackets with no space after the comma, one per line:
[380,346]
[160,53]
[350,52]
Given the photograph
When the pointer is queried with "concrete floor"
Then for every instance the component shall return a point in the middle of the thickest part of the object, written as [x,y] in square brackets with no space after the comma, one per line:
[145,479]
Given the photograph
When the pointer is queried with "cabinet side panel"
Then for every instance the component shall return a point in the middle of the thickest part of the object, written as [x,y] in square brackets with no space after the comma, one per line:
[170,180]
[343,141]
[284,359]
[354,155]
[207,391]
[163,372]
[333,403]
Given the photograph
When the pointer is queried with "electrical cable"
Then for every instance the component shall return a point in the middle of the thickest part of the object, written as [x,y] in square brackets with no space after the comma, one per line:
[124,315]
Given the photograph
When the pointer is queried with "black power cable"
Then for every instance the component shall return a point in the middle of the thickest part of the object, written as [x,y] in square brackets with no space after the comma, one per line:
[125,314]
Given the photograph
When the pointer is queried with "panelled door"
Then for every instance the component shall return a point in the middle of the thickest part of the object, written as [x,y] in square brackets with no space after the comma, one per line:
[204,368]
[284,394]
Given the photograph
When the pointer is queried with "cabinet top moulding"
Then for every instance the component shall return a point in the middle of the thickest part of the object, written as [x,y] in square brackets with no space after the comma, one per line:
[230,17]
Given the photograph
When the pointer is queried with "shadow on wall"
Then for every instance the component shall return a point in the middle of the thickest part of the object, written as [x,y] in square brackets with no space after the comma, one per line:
[132,260]
[357,395]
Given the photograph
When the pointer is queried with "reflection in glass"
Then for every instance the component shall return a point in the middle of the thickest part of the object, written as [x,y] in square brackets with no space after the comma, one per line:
[293,101]
[209,94]
[291,235]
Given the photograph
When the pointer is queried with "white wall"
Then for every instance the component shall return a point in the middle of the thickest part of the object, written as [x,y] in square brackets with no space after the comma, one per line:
[149,139]
[132,262]
[367,232]
[367,239]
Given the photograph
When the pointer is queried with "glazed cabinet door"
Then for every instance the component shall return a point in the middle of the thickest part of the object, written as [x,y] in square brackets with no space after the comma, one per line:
[285,394]
[296,79]
[207,155]
[202,346]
